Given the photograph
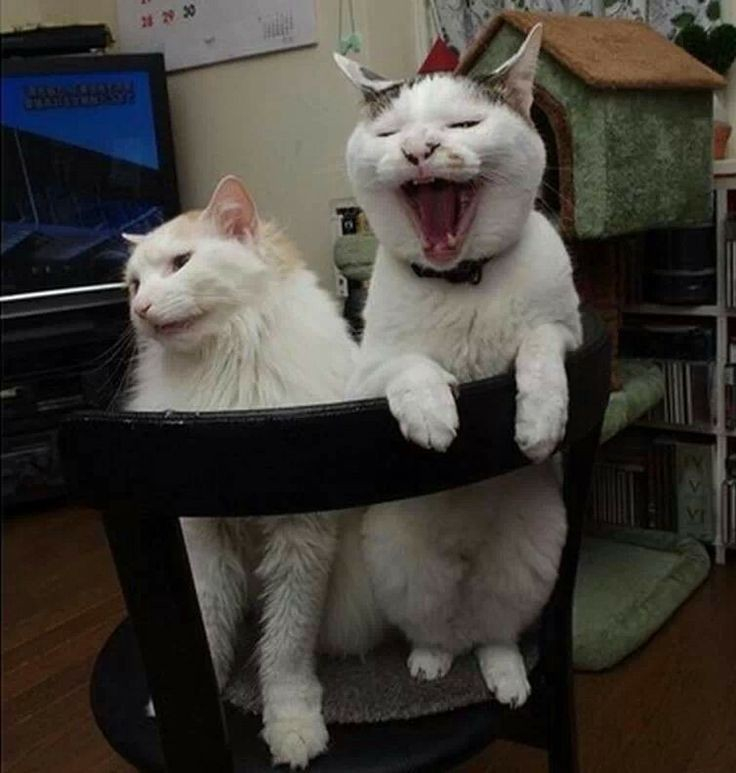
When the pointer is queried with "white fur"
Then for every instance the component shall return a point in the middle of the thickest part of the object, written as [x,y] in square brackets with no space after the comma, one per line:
[471,568]
[264,335]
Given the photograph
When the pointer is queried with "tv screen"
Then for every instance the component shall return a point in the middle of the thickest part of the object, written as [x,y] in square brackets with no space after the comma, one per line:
[87,155]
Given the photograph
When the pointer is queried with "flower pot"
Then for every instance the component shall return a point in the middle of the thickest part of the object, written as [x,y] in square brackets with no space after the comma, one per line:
[721,133]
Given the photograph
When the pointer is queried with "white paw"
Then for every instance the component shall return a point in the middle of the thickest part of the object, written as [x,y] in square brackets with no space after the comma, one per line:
[540,427]
[296,739]
[505,677]
[428,665]
[425,410]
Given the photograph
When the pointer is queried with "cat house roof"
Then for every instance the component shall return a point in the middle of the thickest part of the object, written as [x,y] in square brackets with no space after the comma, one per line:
[605,53]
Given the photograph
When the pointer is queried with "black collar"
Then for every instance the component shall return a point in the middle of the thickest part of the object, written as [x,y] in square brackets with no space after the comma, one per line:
[467,271]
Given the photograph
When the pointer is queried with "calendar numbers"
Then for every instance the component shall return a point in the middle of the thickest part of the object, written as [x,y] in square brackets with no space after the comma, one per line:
[168,16]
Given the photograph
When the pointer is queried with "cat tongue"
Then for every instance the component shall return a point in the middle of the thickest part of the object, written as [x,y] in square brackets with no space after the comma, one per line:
[436,206]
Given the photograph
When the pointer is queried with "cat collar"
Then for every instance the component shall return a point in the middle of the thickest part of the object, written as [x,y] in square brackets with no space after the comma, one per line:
[470,271]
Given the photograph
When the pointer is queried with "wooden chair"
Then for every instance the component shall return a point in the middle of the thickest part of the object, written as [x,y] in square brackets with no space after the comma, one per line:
[144,471]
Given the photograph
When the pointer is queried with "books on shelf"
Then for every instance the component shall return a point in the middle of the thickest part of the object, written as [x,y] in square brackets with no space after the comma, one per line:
[657,483]
[694,474]
[687,394]
[618,494]
[686,355]
[730,261]
[729,385]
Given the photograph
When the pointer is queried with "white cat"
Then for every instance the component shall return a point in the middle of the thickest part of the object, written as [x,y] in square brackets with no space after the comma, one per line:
[469,281]
[226,317]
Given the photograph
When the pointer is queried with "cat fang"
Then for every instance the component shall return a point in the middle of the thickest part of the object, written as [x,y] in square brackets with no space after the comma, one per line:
[441,212]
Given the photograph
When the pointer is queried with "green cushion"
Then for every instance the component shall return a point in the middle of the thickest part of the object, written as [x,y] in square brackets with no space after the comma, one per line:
[642,389]
[630,581]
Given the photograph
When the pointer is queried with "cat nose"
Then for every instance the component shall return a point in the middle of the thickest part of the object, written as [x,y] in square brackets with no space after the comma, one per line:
[141,309]
[415,157]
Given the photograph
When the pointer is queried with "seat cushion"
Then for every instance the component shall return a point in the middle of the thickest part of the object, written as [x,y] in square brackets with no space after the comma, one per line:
[379,687]
[630,581]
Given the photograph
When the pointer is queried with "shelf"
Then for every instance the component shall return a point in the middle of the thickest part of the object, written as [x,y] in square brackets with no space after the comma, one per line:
[675,311]
[690,429]
[726,167]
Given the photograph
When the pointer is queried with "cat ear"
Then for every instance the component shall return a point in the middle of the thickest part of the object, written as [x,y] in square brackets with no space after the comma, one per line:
[232,209]
[133,238]
[516,75]
[370,84]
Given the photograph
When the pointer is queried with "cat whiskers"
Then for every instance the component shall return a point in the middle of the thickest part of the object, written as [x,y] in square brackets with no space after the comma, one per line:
[116,357]
[495,178]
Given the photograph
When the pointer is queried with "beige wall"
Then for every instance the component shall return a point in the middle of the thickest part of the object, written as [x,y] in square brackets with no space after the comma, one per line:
[280,121]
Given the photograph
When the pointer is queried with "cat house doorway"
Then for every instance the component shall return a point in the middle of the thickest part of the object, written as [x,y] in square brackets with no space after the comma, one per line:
[556,196]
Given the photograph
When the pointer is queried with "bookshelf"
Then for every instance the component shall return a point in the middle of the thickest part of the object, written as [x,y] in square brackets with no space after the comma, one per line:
[661,309]
[724,174]
[719,314]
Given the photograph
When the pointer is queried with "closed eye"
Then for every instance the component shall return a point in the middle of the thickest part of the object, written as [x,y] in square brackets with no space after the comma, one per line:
[386,134]
[133,285]
[179,261]
[463,125]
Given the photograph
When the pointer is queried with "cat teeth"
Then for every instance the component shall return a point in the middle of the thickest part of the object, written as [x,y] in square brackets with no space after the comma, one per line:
[451,240]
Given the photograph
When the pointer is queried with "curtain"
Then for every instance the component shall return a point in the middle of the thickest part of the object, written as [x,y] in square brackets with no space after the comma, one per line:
[461,19]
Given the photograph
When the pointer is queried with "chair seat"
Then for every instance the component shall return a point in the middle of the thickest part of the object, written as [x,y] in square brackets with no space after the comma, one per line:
[432,743]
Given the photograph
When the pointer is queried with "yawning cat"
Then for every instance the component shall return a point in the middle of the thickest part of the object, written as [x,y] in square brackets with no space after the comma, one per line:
[469,282]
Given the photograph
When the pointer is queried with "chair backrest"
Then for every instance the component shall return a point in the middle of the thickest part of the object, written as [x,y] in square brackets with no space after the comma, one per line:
[308,459]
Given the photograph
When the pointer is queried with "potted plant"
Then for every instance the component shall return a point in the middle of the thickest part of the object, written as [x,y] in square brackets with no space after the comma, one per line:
[715,48]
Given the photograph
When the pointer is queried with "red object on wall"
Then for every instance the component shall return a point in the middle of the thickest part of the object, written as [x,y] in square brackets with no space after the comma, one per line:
[441,58]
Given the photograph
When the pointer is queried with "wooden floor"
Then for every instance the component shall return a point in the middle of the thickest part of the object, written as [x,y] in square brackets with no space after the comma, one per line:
[670,708]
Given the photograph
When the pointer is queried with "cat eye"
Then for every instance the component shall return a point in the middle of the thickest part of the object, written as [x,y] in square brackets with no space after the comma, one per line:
[179,261]
[463,125]
[386,134]
[133,285]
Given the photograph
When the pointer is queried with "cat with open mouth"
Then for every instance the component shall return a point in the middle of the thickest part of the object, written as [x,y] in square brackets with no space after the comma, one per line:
[469,282]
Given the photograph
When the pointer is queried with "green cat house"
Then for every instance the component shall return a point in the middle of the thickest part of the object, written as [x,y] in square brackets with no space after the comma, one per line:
[626,116]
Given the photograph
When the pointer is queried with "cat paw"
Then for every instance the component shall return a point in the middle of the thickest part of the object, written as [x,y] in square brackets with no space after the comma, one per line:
[425,410]
[505,675]
[296,739]
[540,428]
[428,665]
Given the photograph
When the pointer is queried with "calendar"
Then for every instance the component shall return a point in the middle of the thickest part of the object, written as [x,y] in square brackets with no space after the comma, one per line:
[190,33]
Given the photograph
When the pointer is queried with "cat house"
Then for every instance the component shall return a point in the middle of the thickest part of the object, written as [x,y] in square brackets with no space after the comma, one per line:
[626,116]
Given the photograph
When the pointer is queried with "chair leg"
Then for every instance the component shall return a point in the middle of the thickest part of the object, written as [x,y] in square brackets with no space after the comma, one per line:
[561,727]
[153,569]
[562,756]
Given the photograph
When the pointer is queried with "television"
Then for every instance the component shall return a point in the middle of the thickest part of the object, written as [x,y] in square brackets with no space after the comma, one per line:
[87,155]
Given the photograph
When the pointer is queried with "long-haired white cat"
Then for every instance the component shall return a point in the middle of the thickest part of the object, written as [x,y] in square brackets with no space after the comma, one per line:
[226,317]
[469,281]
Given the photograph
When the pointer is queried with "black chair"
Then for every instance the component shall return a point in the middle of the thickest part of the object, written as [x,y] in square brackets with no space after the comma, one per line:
[145,470]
